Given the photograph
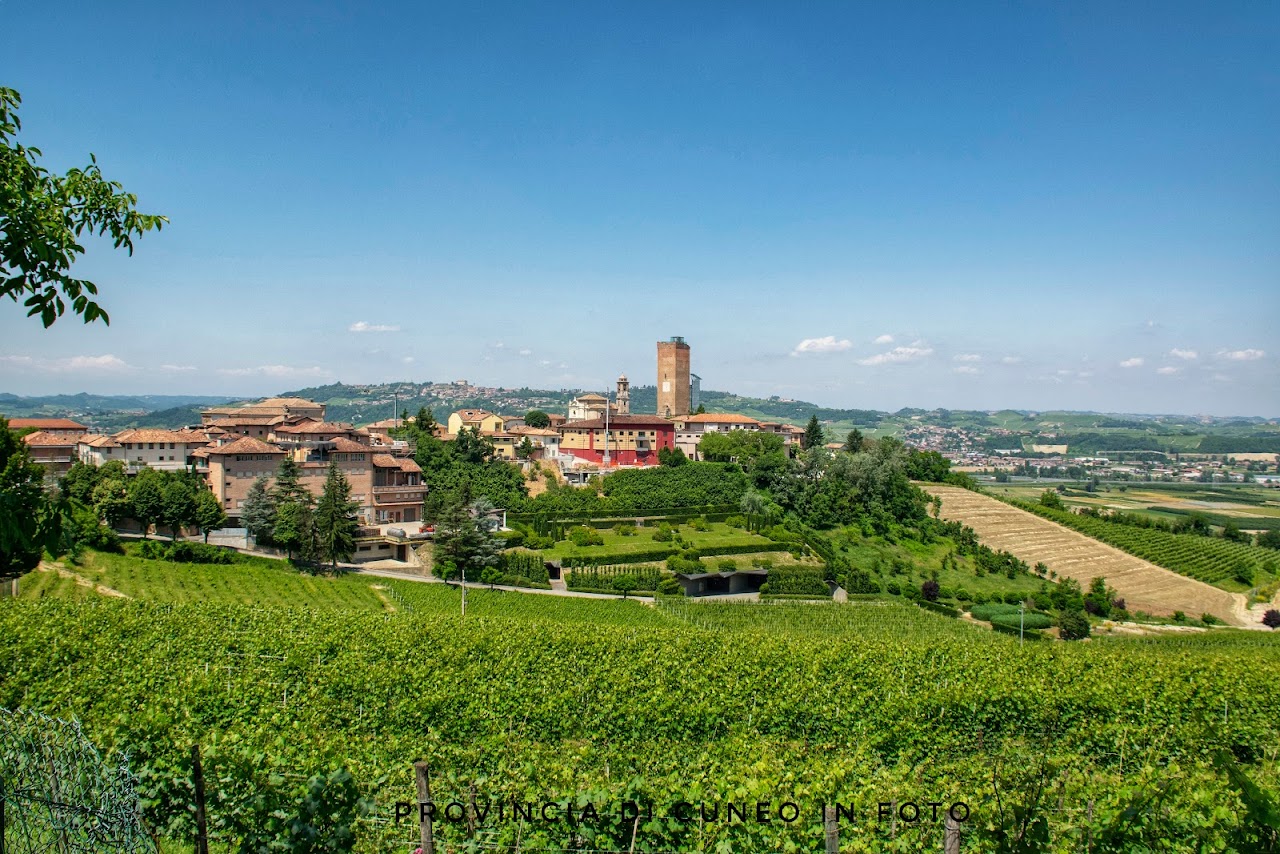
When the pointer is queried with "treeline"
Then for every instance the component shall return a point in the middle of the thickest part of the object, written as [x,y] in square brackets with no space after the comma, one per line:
[1239,445]
[164,499]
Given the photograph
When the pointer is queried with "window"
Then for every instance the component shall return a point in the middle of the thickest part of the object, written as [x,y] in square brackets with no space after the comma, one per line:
[151,446]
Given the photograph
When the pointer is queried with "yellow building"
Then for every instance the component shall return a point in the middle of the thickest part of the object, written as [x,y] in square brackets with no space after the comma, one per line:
[477,419]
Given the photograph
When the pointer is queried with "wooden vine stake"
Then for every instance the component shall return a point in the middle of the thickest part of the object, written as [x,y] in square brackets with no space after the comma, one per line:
[422,773]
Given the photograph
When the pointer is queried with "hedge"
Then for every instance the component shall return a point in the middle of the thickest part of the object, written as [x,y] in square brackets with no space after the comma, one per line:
[939,608]
[812,597]
[1029,634]
[798,579]
[607,558]
[1031,620]
[717,551]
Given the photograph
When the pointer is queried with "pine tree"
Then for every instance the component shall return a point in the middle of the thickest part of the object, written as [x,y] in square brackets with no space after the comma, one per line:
[258,513]
[288,485]
[335,519]
[813,437]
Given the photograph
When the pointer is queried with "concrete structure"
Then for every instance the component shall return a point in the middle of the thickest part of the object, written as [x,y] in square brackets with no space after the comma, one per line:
[722,583]
[673,378]
[631,439]
[233,467]
[97,450]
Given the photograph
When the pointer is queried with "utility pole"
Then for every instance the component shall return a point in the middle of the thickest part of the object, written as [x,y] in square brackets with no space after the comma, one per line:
[464,590]
[1022,619]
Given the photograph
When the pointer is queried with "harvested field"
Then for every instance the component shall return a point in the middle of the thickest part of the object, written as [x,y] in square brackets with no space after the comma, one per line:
[1143,585]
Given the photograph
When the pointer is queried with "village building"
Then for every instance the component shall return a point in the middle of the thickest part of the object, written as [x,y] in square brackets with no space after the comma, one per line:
[481,420]
[55,452]
[629,440]
[52,426]
[283,408]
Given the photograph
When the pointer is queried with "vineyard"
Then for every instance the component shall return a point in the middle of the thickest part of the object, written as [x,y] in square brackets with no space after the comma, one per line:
[537,698]
[1207,559]
[1072,554]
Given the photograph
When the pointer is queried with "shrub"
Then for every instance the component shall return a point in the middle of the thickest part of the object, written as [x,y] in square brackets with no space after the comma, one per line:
[668,586]
[584,536]
[184,552]
[727,565]
[859,581]
[624,529]
[700,524]
[979,598]
[1179,617]
[664,534]
[511,539]
[764,589]
[1271,619]
[736,521]
[1073,625]
[1210,620]
[685,564]
[535,542]
[893,589]
[929,590]
[1243,573]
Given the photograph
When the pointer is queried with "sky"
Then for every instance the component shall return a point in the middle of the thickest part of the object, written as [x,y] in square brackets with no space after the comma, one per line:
[971,206]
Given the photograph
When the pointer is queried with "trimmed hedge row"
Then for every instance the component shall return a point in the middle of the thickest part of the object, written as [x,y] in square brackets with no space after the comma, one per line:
[644,556]
[810,581]
[939,608]
[1031,620]
[1029,634]
[811,597]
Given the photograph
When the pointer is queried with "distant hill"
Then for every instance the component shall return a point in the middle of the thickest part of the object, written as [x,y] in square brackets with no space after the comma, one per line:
[112,412]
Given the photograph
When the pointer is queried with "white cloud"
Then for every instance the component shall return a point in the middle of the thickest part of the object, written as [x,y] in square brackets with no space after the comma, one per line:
[1011,360]
[1242,355]
[966,369]
[883,339]
[408,360]
[1135,362]
[106,363]
[1184,354]
[544,363]
[498,345]
[281,371]
[827,344]
[362,326]
[966,357]
[899,355]
[526,352]
[1167,371]
[177,367]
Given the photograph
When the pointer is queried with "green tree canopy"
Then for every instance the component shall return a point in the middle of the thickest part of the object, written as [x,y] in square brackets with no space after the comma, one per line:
[43,218]
[537,418]
[25,510]
[335,518]
[813,434]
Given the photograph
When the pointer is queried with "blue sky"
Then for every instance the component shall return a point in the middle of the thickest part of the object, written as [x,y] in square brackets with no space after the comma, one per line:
[881,205]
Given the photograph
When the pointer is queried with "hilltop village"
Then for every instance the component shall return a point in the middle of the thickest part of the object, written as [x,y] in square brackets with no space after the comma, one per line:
[233,446]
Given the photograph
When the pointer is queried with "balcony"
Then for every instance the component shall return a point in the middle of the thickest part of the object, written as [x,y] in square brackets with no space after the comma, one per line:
[400,487]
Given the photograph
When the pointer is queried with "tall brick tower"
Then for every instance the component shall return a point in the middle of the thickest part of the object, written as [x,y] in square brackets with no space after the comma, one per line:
[673,378]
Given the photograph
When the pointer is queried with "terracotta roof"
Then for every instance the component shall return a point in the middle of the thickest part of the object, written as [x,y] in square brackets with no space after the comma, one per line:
[248,421]
[287,401]
[385,461]
[474,414]
[40,439]
[590,396]
[99,440]
[245,445]
[407,464]
[153,435]
[536,431]
[316,427]
[200,452]
[214,431]
[719,418]
[618,421]
[46,424]
[343,445]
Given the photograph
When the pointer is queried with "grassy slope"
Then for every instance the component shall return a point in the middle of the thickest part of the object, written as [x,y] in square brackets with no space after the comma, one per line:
[719,534]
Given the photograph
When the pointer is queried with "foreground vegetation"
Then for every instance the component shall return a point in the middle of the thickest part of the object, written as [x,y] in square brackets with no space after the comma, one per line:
[542,699]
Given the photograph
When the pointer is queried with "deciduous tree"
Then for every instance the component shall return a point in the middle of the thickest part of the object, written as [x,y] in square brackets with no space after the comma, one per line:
[537,418]
[209,515]
[43,218]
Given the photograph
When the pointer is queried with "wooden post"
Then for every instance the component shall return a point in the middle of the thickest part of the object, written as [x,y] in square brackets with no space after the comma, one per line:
[831,830]
[951,835]
[197,778]
[422,773]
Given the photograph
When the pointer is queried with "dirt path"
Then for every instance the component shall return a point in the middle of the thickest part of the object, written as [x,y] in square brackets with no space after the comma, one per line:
[1143,585]
[102,589]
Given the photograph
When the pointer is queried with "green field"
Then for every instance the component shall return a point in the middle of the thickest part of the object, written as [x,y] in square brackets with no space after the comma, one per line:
[1250,507]
[539,698]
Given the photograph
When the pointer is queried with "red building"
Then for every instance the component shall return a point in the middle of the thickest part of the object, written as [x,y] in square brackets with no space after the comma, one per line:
[631,439]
